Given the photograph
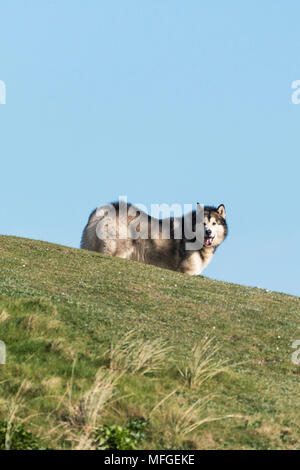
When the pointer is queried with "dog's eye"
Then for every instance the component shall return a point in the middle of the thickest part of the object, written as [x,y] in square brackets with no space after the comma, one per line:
[214,223]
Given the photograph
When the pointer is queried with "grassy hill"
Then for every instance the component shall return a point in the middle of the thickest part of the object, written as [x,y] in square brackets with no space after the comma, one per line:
[102,352]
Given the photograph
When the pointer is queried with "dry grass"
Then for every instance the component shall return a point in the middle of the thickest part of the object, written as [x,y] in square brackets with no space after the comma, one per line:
[132,354]
[4,316]
[52,383]
[180,420]
[35,323]
[14,408]
[61,345]
[84,414]
[202,364]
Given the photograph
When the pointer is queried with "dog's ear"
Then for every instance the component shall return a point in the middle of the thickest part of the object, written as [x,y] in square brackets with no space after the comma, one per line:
[221,211]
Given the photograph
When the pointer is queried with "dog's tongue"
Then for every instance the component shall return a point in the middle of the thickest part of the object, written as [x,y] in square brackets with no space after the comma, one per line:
[208,241]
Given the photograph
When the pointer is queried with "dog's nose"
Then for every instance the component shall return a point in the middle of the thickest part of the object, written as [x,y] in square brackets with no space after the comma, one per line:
[208,232]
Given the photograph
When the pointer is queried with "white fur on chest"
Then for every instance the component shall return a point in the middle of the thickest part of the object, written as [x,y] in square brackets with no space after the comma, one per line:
[197,264]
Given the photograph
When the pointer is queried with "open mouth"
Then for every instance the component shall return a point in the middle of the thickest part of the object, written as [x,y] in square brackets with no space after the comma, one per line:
[208,241]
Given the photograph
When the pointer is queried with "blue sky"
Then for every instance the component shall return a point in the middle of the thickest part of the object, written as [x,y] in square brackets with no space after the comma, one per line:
[162,101]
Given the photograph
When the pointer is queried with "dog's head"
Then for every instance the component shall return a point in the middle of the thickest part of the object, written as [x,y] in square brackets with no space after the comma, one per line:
[215,226]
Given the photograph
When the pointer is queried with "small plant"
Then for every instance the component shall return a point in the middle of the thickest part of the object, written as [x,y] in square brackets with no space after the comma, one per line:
[20,438]
[121,437]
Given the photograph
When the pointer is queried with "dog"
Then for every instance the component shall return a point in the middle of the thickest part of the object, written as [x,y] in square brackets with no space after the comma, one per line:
[166,252]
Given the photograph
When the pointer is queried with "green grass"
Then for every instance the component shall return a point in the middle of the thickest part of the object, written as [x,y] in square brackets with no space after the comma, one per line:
[62,309]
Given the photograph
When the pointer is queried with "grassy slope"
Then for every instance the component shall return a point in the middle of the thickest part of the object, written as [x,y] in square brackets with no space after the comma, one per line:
[64,302]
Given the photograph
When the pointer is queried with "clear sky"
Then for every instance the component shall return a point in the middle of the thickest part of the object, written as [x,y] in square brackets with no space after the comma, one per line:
[163,101]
